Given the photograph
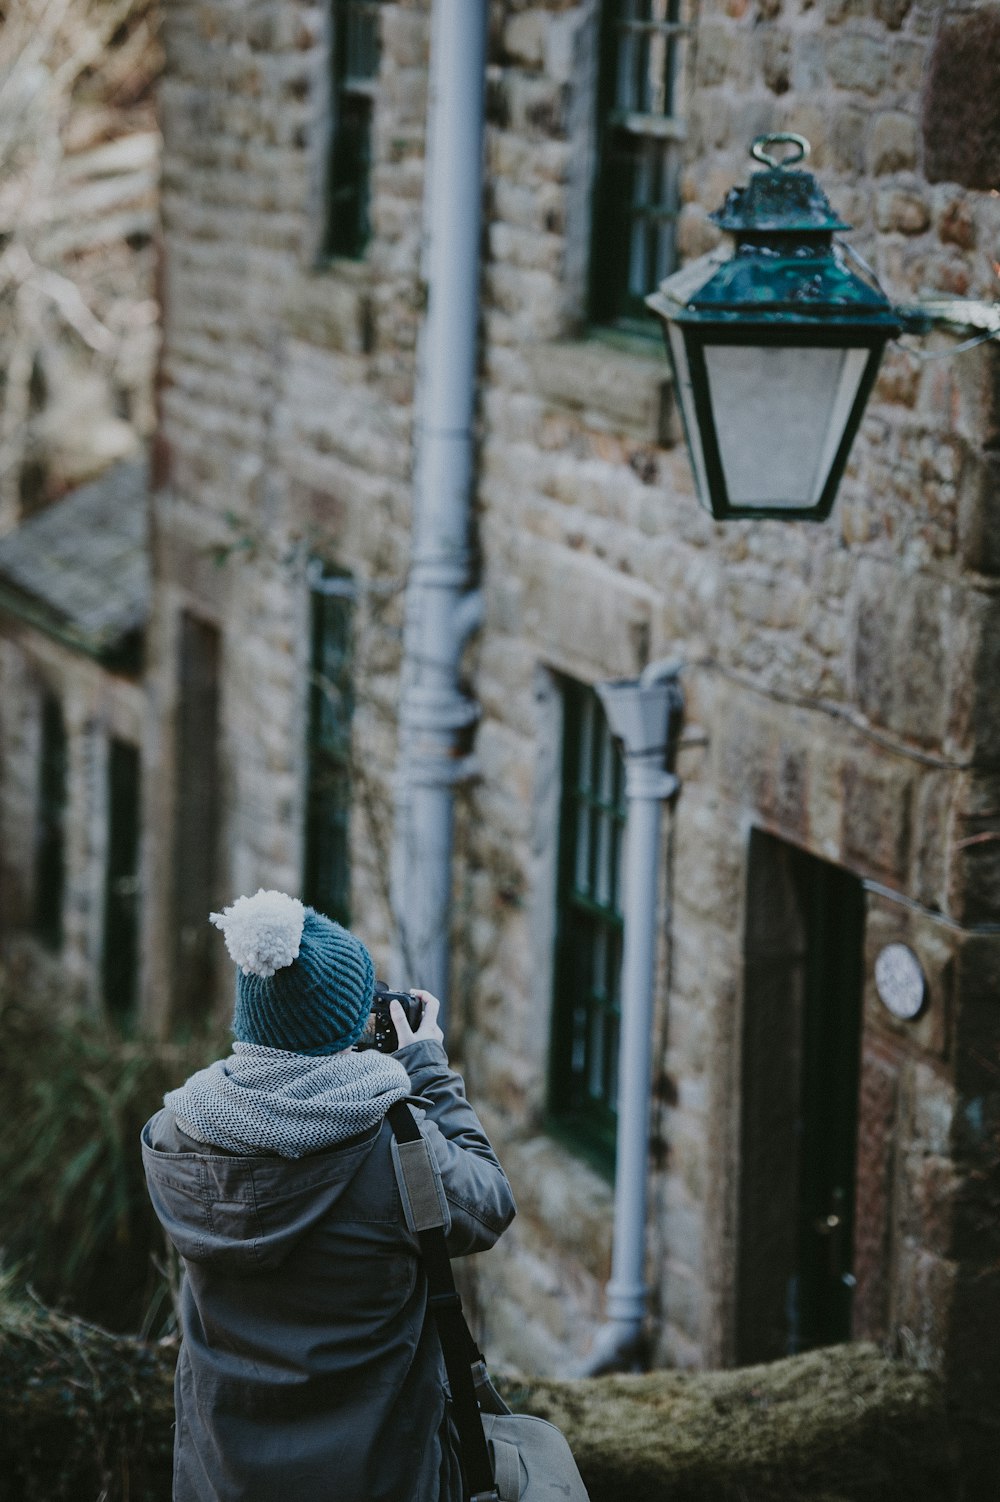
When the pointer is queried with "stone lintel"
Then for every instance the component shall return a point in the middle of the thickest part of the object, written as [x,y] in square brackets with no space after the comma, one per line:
[615,388]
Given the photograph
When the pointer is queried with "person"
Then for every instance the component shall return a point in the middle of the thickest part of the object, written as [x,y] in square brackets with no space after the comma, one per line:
[309,1366]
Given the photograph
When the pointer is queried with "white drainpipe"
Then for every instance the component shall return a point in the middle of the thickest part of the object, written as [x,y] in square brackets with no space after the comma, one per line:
[642,713]
[441,611]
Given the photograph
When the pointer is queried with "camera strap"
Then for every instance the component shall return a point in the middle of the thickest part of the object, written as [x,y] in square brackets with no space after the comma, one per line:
[460,1351]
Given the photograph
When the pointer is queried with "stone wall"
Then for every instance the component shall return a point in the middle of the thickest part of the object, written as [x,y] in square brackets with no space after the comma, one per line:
[840,678]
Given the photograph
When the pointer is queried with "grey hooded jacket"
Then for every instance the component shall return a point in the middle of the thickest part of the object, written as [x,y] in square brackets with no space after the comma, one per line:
[309,1366]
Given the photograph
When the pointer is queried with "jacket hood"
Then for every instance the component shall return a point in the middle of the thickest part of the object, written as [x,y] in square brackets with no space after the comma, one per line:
[242,1215]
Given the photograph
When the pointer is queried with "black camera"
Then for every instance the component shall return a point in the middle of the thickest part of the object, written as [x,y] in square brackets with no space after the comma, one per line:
[380,1032]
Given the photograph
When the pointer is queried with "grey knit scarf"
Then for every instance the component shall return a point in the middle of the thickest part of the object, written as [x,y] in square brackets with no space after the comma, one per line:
[264,1100]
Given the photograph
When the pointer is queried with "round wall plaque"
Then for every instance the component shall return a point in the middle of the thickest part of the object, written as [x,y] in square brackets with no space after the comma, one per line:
[900,981]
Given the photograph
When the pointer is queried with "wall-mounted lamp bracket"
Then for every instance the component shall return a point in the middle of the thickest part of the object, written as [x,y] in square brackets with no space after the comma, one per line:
[964,315]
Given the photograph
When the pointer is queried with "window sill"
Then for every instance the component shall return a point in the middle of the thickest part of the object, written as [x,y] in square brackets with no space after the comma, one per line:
[620,380]
[330,306]
[586,1142]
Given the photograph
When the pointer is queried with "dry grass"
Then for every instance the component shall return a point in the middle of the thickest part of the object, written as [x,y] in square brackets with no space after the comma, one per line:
[85,1414]
[845,1424]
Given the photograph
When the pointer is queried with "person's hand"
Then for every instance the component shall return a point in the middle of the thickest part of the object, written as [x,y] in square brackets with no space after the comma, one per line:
[426,1028]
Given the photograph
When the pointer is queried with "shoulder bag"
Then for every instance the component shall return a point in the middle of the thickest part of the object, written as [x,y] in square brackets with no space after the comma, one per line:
[506,1457]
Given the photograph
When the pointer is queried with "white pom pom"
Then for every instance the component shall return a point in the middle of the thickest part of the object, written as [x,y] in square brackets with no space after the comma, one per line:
[263,933]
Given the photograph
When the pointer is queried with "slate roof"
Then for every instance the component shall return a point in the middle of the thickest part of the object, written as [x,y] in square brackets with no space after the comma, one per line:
[80,569]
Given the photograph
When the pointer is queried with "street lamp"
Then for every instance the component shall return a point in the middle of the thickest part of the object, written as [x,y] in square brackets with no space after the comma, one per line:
[775,347]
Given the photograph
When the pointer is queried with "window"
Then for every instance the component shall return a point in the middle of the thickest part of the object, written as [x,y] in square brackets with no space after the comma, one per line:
[636,190]
[354,30]
[121,887]
[584,1049]
[326,882]
[50,843]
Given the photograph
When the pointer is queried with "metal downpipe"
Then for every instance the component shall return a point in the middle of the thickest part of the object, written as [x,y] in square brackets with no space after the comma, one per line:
[642,715]
[440,609]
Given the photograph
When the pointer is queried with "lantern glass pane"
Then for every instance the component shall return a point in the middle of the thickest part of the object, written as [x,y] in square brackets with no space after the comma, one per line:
[682,377]
[780,414]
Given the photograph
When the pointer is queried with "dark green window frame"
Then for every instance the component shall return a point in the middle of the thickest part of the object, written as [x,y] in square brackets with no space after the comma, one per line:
[639,142]
[326,879]
[355,54]
[583,1070]
[50,840]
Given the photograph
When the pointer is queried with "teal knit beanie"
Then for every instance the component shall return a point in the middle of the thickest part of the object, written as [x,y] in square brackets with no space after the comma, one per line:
[304,983]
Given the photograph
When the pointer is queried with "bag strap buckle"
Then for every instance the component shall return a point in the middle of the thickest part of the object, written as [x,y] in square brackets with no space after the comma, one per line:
[450,1299]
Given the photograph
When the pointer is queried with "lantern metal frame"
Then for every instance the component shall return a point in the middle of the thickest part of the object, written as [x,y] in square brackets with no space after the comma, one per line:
[802,334]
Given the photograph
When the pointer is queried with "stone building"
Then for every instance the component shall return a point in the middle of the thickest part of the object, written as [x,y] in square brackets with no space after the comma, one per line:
[819,1167]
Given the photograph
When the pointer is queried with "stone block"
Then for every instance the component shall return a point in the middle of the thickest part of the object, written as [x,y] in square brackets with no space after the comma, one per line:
[680,1227]
[559,1194]
[612,387]
[684,1302]
[908,62]
[332,309]
[974,854]
[875,796]
[892,12]
[715,45]
[744,745]
[564,58]
[927,1107]
[899,378]
[775,59]
[696,234]
[404,37]
[878,1094]
[926,1194]
[808,62]
[527,248]
[751,117]
[957,224]
[922,1304]
[583,615]
[902,619]
[858,62]
[977,381]
[837,11]
[847,137]
[892,143]
[806,118]
[975,703]
[524,37]
[535,107]
[931,836]
[977,986]
[907,213]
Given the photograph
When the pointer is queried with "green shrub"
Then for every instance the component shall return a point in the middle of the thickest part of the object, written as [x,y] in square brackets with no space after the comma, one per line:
[75,1221]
